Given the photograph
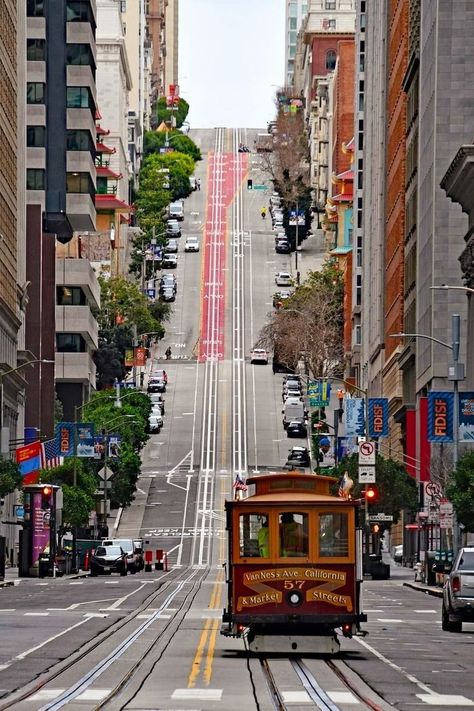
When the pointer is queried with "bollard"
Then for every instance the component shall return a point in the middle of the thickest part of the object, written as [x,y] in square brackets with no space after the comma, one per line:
[166,562]
[148,561]
[159,559]
[87,555]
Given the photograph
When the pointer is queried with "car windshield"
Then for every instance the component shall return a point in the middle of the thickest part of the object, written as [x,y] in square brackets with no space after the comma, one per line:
[466,562]
[125,545]
[109,550]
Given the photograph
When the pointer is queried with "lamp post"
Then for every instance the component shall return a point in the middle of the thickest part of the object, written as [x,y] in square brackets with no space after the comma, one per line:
[9,372]
[455,374]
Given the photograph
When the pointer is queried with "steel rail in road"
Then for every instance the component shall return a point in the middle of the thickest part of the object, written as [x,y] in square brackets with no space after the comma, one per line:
[239,398]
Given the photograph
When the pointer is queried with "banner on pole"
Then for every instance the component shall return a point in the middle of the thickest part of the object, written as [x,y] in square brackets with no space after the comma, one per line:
[378,417]
[440,416]
[466,417]
[354,416]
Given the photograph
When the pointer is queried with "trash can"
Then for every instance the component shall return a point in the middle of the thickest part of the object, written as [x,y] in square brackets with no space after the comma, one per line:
[44,567]
[63,563]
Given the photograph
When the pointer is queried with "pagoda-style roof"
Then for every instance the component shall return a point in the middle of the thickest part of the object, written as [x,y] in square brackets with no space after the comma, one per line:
[102,131]
[102,148]
[104,172]
[346,175]
[111,202]
[343,197]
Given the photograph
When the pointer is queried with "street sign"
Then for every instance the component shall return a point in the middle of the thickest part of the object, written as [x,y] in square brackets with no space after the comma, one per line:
[446,521]
[105,473]
[446,507]
[367,475]
[319,393]
[259,187]
[151,293]
[105,484]
[366,453]
[381,517]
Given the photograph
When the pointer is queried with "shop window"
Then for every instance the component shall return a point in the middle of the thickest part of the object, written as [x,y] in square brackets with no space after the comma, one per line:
[254,535]
[333,535]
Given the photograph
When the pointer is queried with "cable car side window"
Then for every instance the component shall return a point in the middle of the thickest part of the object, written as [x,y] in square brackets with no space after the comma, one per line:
[253,535]
[333,535]
[293,534]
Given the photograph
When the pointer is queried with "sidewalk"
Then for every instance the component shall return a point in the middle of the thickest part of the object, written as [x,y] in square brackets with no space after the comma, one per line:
[407,577]
[12,577]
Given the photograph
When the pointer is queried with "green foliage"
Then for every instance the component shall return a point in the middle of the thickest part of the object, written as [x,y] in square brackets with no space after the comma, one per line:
[130,420]
[121,300]
[109,363]
[126,471]
[78,500]
[10,477]
[397,490]
[164,114]
[460,491]
[155,140]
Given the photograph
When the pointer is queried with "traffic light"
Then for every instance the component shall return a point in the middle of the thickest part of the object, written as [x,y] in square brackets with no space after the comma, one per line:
[250,184]
[371,494]
[46,497]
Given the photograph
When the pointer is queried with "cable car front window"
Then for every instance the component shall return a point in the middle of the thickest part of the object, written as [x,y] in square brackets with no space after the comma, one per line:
[333,535]
[253,535]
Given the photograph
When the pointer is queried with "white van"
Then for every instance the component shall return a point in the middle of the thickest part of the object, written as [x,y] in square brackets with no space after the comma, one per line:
[176,210]
[293,410]
[193,182]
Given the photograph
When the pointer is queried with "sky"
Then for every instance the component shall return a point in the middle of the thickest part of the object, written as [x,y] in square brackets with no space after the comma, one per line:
[231,60]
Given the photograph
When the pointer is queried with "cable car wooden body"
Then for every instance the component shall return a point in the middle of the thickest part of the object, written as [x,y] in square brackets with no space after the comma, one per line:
[291,586]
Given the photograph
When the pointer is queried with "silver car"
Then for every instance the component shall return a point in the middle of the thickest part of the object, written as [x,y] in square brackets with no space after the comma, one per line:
[458,592]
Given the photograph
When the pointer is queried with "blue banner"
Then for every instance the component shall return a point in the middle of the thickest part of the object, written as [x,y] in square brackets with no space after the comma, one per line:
[345,447]
[115,444]
[466,417]
[440,416]
[85,439]
[378,417]
[65,438]
[354,416]
[319,393]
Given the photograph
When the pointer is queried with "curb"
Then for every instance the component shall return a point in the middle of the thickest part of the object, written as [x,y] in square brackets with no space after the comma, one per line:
[6,583]
[425,589]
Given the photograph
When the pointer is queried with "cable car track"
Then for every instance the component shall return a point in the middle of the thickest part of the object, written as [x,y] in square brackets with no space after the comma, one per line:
[98,661]
[309,684]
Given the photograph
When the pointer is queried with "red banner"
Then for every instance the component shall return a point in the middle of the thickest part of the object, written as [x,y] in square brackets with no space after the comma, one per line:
[140,356]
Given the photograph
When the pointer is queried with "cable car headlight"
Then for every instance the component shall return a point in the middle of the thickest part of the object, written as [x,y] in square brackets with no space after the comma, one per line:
[295,598]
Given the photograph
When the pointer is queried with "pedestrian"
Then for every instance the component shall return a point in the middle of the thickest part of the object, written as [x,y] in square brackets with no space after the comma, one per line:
[198,184]
[298,277]
[168,353]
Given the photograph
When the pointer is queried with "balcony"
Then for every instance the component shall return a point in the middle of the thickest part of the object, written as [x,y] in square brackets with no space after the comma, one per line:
[74,368]
[78,319]
[78,272]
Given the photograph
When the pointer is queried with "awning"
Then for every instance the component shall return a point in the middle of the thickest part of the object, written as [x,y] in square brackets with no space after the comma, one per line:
[104,172]
[110,202]
[349,197]
[102,148]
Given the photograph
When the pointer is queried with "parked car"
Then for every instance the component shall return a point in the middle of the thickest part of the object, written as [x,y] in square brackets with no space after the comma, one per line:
[108,559]
[283,279]
[156,385]
[155,423]
[282,247]
[299,456]
[172,246]
[168,281]
[173,228]
[192,244]
[157,401]
[134,558]
[292,392]
[280,296]
[297,428]
[458,592]
[397,554]
[259,355]
[159,373]
[170,260]
[168,294]
[176,210]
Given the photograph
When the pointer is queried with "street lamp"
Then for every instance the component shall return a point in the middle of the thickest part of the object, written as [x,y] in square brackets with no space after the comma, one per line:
[455,374]
[14,370]
[445,287]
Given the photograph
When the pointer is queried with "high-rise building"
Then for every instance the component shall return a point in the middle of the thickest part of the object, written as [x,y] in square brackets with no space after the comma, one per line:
[60,181]
[295,13]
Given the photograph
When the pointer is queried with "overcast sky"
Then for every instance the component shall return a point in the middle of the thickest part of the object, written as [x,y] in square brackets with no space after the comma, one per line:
[231,59]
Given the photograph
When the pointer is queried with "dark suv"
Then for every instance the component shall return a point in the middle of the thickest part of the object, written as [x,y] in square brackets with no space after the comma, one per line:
[458,592]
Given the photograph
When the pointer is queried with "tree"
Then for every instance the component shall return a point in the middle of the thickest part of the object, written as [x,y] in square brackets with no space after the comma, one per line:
[309,325]
[154,141]
[460,491]
[122,302]
[397,490]
[164,114]
[10,477]
[78,500]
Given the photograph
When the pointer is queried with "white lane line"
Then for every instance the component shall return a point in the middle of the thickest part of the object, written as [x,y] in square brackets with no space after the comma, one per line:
[118,602]
[25,654]
[36,614]
[387,619]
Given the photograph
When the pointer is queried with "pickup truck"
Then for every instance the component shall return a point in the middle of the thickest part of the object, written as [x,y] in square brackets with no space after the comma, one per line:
[458,592]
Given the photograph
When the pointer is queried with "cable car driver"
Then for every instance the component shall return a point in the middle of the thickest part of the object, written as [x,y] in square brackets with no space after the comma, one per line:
[291,537]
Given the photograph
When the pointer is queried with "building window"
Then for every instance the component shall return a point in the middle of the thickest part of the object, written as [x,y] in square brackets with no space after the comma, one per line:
[79,183]
[70,296]
[79,140]
[36,50]
[331,58]
[79,55]
[330,5]
[358,290]
[70,343]
[35,136]
[35,179]
[35,92]
[292,23]
[123,6]
[35,8]
[79,11]
[331,24]
[358,335]
[79,97]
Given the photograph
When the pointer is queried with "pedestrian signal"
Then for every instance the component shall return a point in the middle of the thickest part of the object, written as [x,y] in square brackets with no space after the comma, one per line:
[46,497]
[250,184]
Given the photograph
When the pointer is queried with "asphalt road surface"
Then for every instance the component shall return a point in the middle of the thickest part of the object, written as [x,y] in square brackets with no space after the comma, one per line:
[151,640]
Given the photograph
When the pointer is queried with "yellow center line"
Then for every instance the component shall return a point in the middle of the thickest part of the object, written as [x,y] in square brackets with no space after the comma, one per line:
[196,666]
[210,652]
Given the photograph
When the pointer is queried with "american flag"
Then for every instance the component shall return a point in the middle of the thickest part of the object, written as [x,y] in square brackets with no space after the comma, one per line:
[50,454]
[345,486]
[239,484]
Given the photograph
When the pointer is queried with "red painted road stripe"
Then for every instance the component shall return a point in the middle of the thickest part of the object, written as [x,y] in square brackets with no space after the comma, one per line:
[226,172]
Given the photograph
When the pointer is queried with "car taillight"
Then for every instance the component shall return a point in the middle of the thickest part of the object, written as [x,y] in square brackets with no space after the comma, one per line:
[456,584]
